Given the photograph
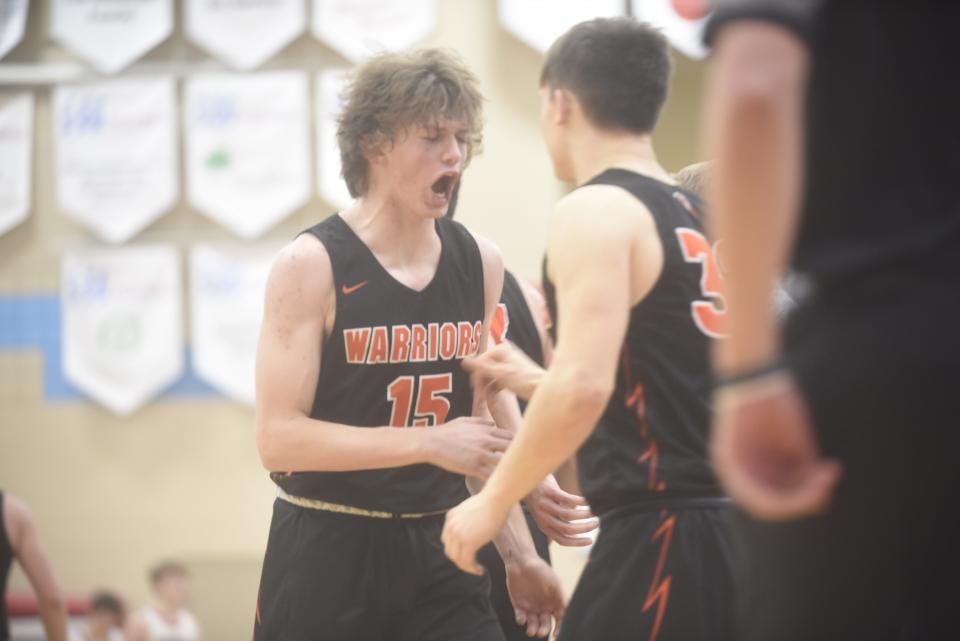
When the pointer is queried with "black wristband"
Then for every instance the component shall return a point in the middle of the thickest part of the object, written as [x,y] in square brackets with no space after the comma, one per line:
[751,374]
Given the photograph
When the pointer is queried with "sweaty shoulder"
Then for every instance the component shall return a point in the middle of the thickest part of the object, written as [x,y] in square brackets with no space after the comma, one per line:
[301,277]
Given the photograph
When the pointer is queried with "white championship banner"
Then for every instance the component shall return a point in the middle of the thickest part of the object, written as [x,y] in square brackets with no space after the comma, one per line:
[538,23]
[226,307]
[116,155]
[122,327]
[13,19]
[330,183]
[16,144]
[247,147]
[110,34]
[244,33]
[358,28]
[681,21]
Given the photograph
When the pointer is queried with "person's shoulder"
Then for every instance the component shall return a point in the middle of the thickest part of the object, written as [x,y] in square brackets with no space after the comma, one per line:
[606,209]
[303,267]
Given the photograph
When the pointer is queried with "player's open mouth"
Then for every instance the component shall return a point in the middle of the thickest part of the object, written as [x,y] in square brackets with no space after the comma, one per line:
[445,184]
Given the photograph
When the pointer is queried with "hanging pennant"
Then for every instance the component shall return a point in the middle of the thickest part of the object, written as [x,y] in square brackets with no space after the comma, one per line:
[538,23]
[13,18]
[121,324]
[681,21]
[244,34]
[226,307]
[248,155]
[16,142]
[330,185]
[358,28]
[115,153]
[111,35]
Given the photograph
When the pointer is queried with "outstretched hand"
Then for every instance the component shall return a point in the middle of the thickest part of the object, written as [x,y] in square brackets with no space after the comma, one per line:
[504,367]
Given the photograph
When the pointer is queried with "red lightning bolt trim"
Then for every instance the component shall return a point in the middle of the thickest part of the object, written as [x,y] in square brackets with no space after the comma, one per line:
[659,592]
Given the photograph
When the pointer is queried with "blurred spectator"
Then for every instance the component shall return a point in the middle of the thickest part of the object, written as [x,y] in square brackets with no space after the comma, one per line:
[104,620]
[166,618]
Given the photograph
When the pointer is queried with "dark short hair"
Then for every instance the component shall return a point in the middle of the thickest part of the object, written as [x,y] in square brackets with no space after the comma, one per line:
[164,569]
[393,91]
[107,602]
[618,68]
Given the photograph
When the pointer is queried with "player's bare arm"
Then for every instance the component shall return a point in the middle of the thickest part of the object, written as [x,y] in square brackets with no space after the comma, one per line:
[557,501]
[763,446]
[299,311]
[534,588]
[27,549]
[590,247]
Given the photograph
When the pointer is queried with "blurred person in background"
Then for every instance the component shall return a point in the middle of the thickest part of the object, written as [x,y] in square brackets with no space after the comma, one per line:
[20,542]
[104,620]
[166,618]
[835,131]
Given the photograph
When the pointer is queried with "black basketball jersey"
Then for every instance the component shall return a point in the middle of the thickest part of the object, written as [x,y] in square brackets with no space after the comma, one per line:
[651,441]
[6,561]
[393,358]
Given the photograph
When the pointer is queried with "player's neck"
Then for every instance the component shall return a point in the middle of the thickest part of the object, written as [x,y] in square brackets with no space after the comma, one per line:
[594,151]
[389,231]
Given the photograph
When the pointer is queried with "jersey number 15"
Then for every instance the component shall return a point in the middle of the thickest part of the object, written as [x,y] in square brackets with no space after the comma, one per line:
[431,407]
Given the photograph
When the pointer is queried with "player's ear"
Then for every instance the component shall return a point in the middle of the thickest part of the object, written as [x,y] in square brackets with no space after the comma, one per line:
[564,104]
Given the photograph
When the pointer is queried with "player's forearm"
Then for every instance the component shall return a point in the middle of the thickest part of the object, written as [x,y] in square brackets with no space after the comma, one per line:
[53,614]
[560,416]
[302,444]
[754,133]
[514,542]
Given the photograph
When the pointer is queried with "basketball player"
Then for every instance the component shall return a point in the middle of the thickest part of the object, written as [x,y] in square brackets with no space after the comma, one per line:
[636,295]
[19,542]
[518,324]
[835,129]
[363,411]
[167,617]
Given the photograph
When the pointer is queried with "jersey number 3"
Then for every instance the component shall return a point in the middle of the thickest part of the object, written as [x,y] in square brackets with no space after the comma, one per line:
[431,407]
[709,315]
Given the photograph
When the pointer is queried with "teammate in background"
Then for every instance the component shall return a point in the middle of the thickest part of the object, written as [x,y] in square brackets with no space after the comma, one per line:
[363,411]
[636,297]
[167,617]
[19,542]
[104,620]
[519,325]
[835,131]
[696,178]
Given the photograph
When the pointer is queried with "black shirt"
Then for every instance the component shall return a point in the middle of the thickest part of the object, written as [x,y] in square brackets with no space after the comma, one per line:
[651,442]
[883,133]
[393,358]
